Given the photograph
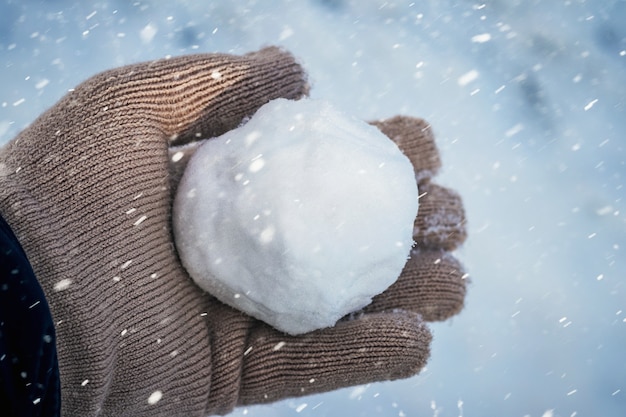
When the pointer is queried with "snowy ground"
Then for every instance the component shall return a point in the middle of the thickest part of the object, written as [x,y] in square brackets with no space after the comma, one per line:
[529,103]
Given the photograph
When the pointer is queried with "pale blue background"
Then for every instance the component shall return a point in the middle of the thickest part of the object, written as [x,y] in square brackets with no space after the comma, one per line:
[528,99]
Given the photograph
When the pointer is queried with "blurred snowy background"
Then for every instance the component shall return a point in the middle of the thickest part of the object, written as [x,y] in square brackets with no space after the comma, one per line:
[528,100]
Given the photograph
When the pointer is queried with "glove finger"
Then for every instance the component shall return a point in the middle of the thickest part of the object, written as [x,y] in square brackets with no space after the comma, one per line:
[440,222]
[371,348]
[415,138]
[433,284]
[182,98]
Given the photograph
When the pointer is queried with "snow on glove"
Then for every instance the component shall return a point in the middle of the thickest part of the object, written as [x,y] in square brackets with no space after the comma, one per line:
[86,188]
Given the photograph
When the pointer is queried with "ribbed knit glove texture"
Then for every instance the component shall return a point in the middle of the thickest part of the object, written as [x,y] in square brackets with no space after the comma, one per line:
[88,188]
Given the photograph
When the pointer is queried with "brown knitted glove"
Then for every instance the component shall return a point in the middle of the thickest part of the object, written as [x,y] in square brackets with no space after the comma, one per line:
[87,190]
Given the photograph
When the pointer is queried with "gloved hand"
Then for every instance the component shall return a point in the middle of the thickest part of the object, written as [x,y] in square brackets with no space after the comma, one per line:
[87,190]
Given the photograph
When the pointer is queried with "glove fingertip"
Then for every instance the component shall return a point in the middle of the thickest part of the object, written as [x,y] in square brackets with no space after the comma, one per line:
[291,68]
[414,136]
[432,283]
[441,221]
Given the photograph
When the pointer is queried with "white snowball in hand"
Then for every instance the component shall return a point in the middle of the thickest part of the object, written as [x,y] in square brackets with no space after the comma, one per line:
[298,217]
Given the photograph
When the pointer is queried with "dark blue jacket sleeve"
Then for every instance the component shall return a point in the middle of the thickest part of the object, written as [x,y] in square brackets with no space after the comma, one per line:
[29,371]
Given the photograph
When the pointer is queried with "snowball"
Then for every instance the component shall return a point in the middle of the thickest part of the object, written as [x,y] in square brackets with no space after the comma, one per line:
[298,217]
